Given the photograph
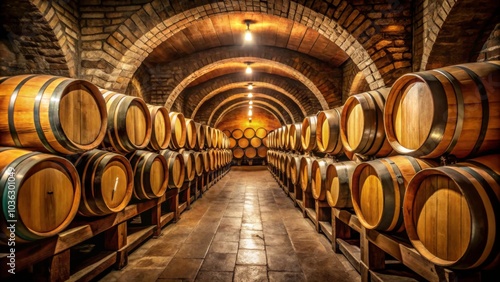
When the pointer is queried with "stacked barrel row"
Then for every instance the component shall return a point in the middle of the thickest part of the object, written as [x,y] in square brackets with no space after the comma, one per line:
[421,158]
[249,145]
[71,148]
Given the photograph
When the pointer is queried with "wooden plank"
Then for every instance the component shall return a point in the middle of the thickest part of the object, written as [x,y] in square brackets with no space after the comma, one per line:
[348,218]
[296,36]
[91,270]
[326,228]
[115,238]
[136,238]
[351,252]
[308,41]
[56,268]
[372,256]
[80,230]
[166,218]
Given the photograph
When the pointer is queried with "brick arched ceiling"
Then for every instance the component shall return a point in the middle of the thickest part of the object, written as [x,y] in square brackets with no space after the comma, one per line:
[258,86]
[260,65]
[28,42]
[304,99]
[227,100]
[463,27]
[327,31]
[243,106]
[216,101]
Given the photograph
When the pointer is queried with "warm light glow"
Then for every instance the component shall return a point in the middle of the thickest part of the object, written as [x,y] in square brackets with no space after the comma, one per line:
[250,106]
[250,95]
[251,102]
[250,86]
[249,112]
[248,70]
[248,34]
[249,119]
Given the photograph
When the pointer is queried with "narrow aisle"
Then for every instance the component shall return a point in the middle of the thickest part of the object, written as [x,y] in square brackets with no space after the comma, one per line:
[244,228]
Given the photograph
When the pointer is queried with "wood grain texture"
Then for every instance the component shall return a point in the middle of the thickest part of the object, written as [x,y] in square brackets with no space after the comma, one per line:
[51,114]
[451,213]
[451,110]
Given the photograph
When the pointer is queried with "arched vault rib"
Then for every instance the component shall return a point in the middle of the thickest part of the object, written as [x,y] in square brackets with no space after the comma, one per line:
[293,73]
[262,104]
[256,95]
[256,84]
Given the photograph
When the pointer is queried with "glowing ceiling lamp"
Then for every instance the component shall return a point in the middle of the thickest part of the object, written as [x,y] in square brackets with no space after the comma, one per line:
[250,95]
[250,86]
[249,113]
[250,102]
[248,69]
[248,34]
[250,106]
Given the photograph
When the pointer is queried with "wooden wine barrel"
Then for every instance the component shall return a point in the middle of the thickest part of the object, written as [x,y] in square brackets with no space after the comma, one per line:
[206,161]
[200,136]
[51,114]
[306,172]
[279,138]
[129,122]
[176,170]
[295,169]
[226,132]
[238,153]
[212,159]
[262,151]
[198,163]
[215,138]
[295,134]
[250,152]
[243,143]
[249,132]
[190,134]
[150,174]
[308,133]
[208,137]
[328,131]
[452,213]
[161,131]
[362,126]
[107,182]
[178,125]
[319,178]
[285,137]
[378,188]
[237,133]
[265,142]
[46,189]
[261,132]
[455,109]
[232,142]
[189,164]
[256,142]
[338,175]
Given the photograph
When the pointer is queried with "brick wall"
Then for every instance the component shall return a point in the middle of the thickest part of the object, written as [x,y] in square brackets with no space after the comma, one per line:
[491,49]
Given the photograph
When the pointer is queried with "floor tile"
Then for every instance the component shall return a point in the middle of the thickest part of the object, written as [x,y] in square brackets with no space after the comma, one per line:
[182,268]
[253,257]
[250,273]
[219,262]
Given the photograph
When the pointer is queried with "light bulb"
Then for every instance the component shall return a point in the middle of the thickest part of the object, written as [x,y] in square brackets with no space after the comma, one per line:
[250,86]
[251,102]
[248,70]
[250,107]
[248,35]
[250,95]
[250,112]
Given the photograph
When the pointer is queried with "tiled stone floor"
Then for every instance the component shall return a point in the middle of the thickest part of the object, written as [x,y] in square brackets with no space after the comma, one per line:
[244,228]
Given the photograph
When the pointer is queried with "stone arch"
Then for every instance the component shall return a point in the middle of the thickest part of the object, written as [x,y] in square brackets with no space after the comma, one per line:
[34,39]
[160,25]
[256,84]
[256,95]
[210,67]
[447,43]
[260,104]
[358,84]
[301,94]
